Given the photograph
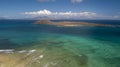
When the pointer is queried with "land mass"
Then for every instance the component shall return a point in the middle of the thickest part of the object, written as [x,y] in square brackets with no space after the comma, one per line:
[69,23]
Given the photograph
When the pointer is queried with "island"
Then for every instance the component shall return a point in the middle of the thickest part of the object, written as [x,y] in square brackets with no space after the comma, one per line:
[71,24]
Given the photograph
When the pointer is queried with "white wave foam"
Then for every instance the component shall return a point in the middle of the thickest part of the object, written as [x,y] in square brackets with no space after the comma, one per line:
[41,56]
[22,51]
[30,52]
[7,51]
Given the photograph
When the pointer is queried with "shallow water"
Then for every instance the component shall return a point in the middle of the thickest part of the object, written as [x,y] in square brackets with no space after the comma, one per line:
[23,44]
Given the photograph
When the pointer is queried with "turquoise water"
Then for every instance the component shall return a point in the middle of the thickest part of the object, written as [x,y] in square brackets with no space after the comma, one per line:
[49,46]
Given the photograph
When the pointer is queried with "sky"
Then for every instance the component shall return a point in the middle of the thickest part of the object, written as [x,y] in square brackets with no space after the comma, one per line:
[60,9]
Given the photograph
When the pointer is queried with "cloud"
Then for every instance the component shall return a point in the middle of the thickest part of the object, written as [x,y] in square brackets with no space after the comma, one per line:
[61,15]
[47,14]
[76,1]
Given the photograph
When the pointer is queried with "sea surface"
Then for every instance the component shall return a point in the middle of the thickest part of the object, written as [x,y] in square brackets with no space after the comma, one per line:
[24,44]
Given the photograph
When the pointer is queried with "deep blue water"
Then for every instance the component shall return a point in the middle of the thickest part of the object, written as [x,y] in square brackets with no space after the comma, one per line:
[101,33]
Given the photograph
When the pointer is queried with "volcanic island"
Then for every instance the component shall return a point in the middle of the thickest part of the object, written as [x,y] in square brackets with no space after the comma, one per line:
[72,24]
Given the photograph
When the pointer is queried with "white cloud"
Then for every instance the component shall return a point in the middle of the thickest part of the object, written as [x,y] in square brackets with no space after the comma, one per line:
[61,15]
[41,12]
[76,1]
[47,14]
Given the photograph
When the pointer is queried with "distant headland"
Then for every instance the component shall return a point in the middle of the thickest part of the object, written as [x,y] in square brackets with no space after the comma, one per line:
[71,24]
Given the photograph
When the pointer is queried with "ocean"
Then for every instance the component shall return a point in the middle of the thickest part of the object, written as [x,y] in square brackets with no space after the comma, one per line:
[24,44]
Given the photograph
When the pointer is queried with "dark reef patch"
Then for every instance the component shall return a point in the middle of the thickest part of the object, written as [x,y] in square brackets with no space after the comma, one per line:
[114,62]
[7,44]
